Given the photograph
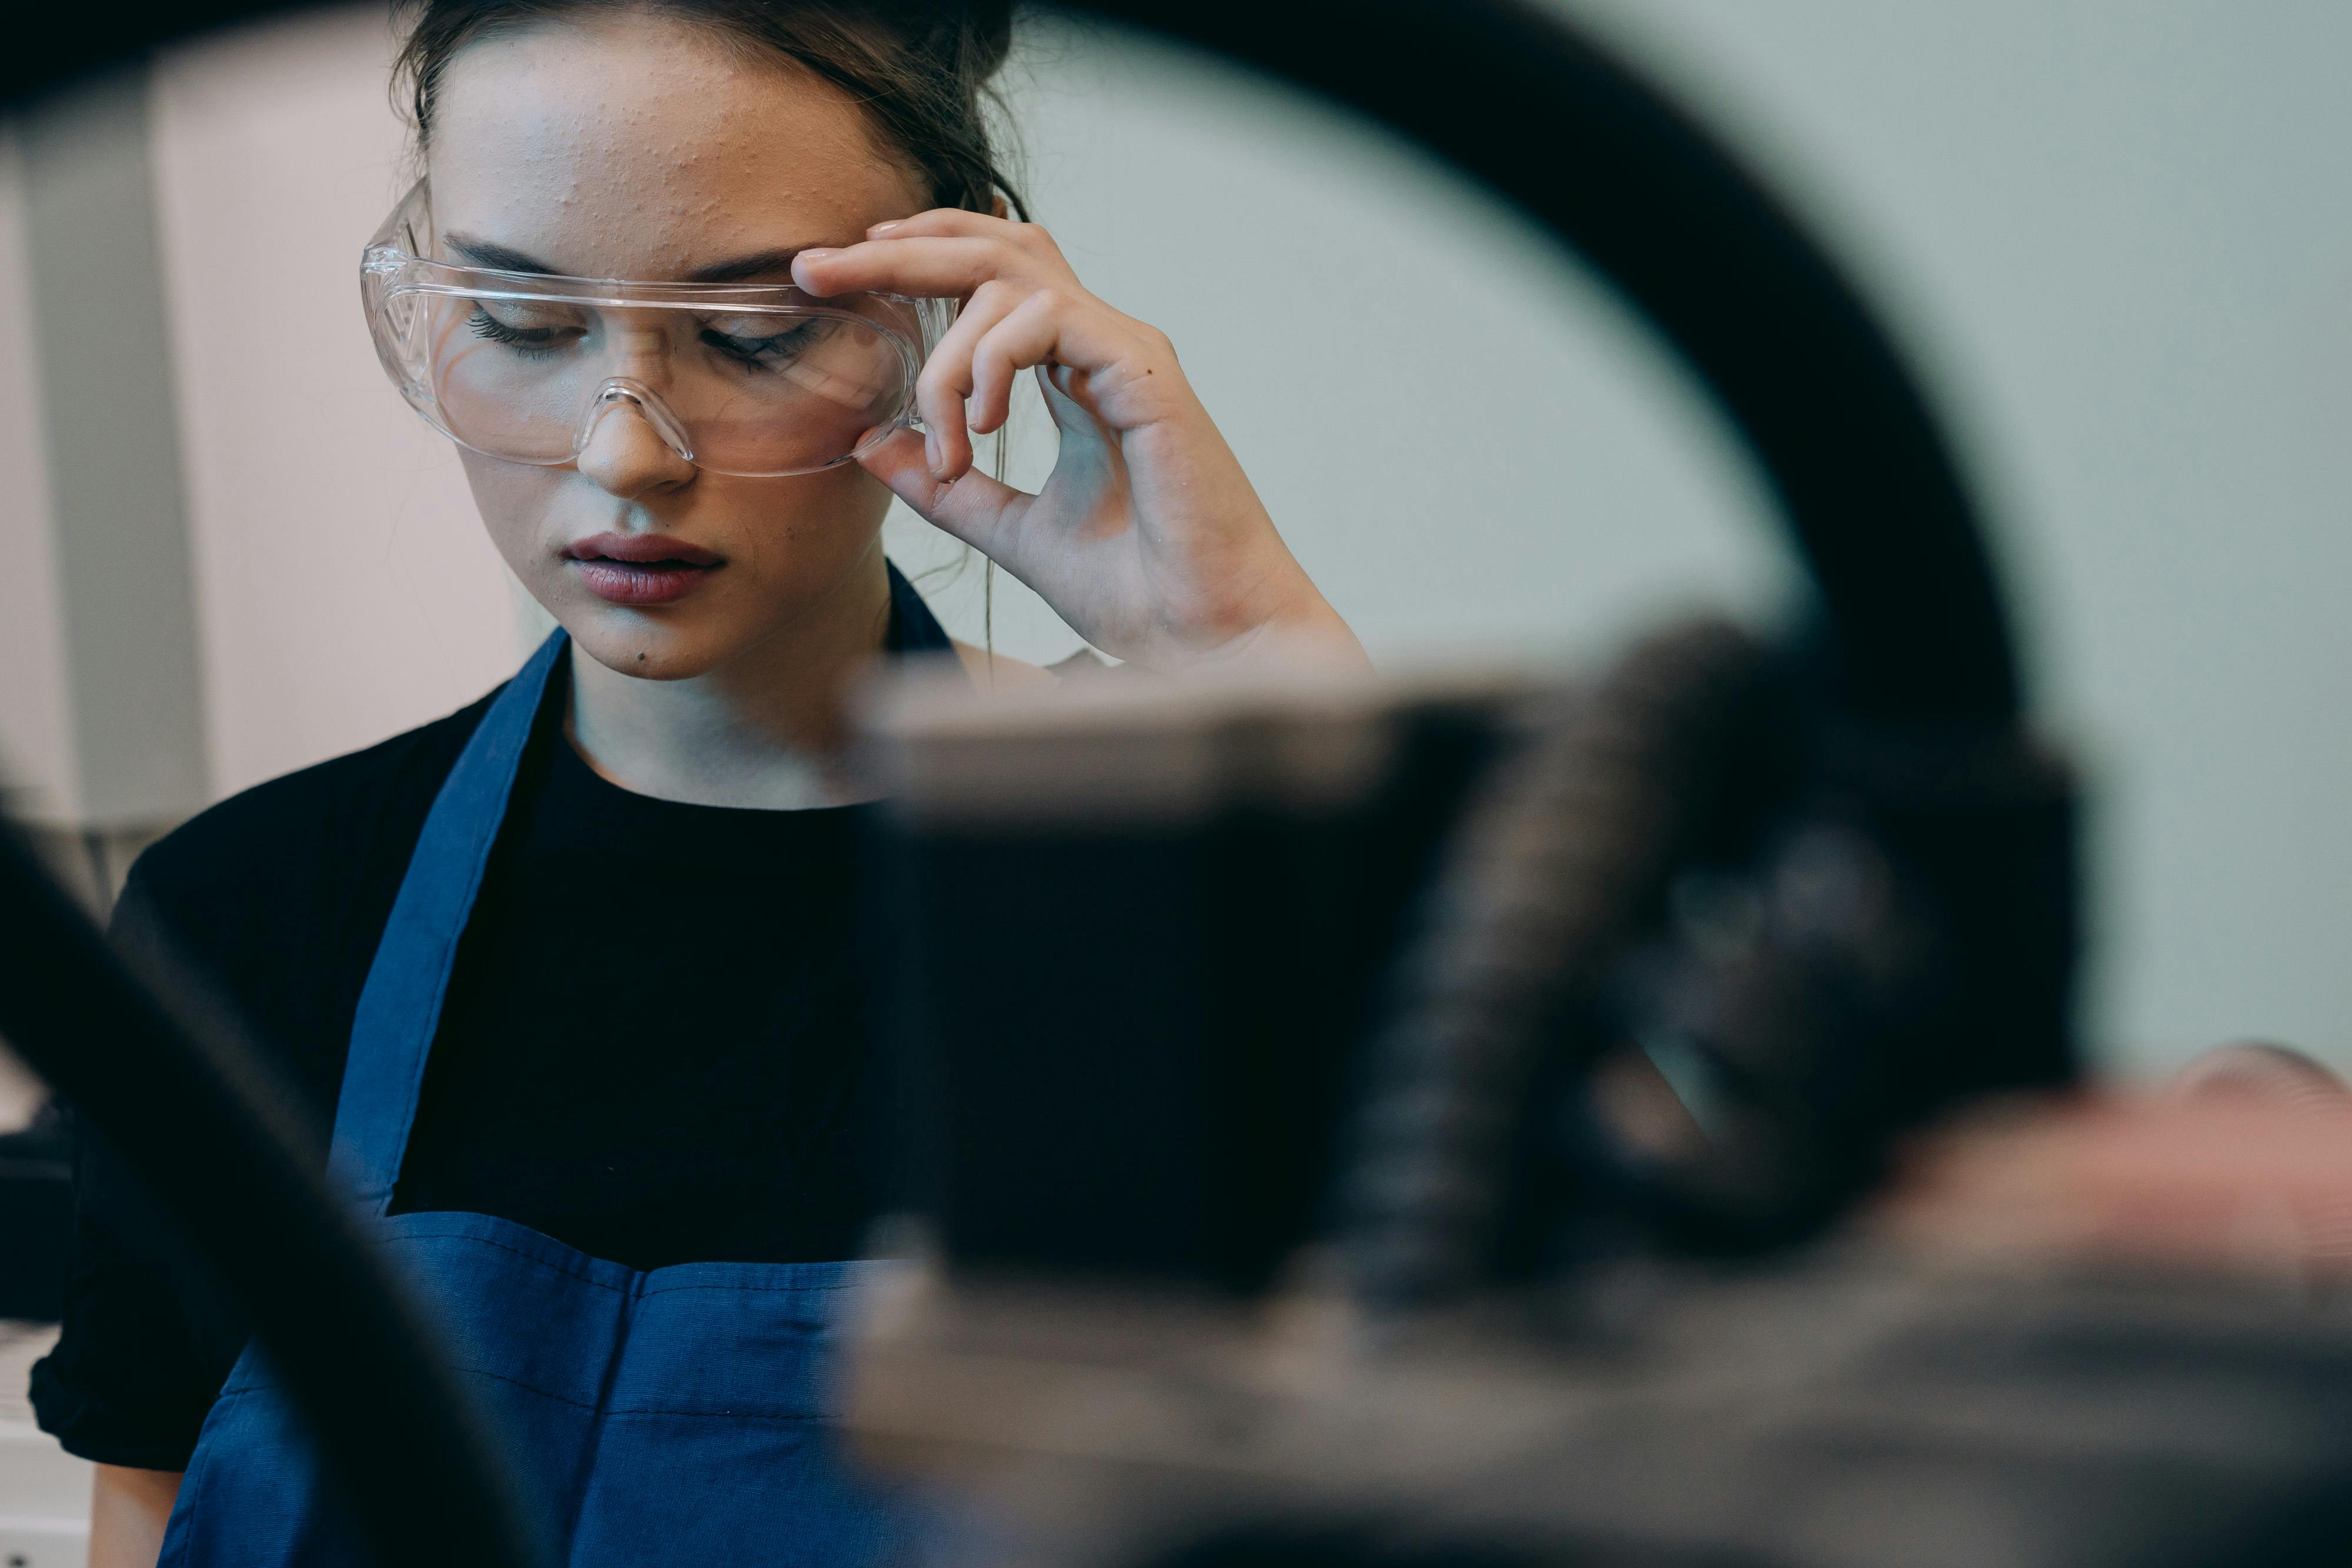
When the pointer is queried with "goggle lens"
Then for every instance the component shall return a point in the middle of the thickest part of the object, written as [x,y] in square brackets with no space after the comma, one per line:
[754,391]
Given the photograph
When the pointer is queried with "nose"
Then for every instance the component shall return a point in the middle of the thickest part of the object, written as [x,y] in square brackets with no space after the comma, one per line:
[625,455]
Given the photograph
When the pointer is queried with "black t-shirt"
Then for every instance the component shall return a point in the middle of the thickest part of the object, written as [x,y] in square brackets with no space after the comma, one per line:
[652,1047]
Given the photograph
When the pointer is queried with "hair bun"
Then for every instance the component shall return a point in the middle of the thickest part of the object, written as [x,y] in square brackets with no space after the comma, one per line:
[993,32]
[966,39]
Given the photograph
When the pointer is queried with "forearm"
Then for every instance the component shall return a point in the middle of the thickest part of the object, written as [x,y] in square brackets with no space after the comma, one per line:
[128,1509]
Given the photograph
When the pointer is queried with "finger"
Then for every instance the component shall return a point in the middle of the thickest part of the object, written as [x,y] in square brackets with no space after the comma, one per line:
[981,511]
[945,383]
[955,223]
[1076,341]
[1023,338]
[944,220]
[940,267]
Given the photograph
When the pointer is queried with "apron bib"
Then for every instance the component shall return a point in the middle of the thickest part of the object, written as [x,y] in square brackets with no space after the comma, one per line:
[677,1415]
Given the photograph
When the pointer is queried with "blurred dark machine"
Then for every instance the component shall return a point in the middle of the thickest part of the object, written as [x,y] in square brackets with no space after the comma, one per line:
[1199,979]
[1351,1124]
[1299,1191]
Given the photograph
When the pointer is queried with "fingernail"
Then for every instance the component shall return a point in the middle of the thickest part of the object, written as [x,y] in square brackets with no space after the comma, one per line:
[818,255]
[883,228]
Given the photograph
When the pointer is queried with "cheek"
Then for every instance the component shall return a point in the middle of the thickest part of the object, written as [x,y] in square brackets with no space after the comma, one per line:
[516,503]
[806,527]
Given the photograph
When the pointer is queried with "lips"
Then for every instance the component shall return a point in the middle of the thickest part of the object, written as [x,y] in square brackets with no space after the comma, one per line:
[641,569]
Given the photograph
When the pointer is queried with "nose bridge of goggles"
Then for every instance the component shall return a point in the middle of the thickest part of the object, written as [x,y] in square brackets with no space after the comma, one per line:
[619,392]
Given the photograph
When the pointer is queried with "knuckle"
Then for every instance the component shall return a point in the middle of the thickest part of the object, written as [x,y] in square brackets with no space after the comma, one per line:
[937,384]
[1010,259]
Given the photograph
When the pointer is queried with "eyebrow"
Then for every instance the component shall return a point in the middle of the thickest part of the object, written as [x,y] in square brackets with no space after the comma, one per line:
[742,269]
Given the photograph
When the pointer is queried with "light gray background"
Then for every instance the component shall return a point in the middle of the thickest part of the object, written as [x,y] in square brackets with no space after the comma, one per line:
[2114,233]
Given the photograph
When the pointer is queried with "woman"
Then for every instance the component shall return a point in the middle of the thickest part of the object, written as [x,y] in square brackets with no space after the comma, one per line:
[565,971]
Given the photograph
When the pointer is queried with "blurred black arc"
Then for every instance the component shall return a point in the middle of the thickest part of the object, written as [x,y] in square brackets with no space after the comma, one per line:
[1507,93]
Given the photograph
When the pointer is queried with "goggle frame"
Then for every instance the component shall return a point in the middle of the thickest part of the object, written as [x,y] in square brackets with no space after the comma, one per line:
[397,272]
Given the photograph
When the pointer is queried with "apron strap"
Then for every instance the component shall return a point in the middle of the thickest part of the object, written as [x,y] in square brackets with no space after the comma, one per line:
[400,1005]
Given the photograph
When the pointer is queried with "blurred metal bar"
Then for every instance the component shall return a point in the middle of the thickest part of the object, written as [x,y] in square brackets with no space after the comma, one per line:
[110,431]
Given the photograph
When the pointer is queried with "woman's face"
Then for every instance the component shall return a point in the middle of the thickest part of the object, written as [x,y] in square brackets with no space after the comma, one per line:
[643,150]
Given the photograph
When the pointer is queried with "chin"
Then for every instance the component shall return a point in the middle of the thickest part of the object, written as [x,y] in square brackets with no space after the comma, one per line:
[647,647]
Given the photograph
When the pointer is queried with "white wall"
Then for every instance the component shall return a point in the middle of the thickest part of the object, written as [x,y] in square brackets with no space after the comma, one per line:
[2107,227]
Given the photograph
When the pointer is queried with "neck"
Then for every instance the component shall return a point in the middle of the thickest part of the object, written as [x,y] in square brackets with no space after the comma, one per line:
[766,730]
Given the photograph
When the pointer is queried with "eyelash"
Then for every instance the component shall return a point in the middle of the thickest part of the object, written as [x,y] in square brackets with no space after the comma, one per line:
[763,357]
[486,325]
[539,340]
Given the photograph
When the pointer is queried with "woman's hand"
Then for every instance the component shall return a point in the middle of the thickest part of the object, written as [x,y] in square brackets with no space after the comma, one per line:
[1147,538]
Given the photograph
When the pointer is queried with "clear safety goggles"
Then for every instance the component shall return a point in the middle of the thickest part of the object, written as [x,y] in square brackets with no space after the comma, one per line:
[755,379]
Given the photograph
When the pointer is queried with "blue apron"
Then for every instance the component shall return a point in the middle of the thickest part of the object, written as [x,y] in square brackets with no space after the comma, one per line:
[676,1416]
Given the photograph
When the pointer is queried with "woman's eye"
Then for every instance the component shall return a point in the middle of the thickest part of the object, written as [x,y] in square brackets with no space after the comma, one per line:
[524,325]
[760,342]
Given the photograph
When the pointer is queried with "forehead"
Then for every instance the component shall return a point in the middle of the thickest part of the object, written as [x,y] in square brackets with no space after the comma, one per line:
[643,149]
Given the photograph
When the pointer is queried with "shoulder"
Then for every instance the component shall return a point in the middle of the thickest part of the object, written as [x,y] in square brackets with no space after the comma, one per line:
[262,835]
[272,902]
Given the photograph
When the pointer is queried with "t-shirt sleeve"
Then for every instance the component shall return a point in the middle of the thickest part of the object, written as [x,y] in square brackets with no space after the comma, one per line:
[127,1383]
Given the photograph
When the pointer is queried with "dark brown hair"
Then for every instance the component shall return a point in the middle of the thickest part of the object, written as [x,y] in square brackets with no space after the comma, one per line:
[921,72]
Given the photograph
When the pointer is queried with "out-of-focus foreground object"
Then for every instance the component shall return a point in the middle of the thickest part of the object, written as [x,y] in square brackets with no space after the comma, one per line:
[186,1101]
[1291,1142]
[1291,1138]
[102,724]
[1287,1123]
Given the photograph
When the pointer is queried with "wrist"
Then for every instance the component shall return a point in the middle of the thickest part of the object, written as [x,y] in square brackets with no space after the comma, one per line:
[1302,628]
